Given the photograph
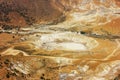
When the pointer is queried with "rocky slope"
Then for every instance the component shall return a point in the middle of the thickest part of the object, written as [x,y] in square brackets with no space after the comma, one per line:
[14,13]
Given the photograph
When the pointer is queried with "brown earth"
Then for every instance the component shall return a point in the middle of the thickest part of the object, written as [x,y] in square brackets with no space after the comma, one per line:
[21,60]
[26,12]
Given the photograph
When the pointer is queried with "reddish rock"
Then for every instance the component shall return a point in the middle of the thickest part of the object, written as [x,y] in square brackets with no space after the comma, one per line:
[27,12]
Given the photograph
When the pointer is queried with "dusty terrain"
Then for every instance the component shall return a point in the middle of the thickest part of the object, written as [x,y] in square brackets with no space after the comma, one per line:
[60,40]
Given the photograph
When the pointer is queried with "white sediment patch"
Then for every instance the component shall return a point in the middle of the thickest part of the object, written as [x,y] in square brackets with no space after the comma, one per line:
[65,46]
[65,41]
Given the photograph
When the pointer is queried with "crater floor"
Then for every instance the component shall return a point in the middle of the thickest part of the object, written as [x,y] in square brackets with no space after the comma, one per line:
[77,40]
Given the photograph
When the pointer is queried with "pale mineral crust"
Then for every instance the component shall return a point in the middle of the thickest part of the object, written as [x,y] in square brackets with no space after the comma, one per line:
[59,40]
